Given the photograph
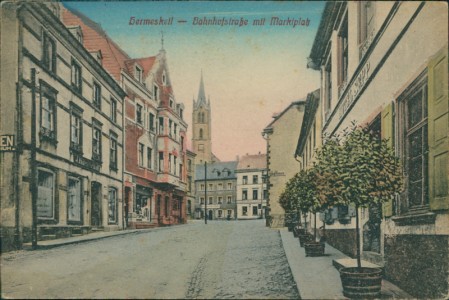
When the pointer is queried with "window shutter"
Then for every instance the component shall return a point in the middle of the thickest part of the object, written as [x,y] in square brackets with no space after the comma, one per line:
[387,133]
[438,130]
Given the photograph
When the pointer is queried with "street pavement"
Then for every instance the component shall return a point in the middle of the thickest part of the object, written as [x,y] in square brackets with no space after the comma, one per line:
[220,260]
[318,277]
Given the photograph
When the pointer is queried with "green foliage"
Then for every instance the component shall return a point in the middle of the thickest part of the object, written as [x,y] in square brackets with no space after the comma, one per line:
[357,168]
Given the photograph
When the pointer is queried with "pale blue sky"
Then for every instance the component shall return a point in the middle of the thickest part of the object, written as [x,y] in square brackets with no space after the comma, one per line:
[250,72]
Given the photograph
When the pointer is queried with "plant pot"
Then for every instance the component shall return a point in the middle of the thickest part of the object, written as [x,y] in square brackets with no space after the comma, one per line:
[314,248]
[304,238]
[361,283]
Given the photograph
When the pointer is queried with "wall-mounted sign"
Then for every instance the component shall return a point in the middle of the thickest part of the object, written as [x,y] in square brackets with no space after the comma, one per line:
[8,142]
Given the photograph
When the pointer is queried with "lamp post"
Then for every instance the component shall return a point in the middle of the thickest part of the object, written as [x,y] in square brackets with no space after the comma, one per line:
[205,192]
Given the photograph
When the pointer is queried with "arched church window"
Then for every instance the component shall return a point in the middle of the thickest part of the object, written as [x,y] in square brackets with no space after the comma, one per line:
[199,117]
[201,133]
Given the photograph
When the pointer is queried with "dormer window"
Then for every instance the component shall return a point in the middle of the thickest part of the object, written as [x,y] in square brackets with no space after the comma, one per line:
[171,103]
[164,79]
[79,37]
[155,92]
[138,74]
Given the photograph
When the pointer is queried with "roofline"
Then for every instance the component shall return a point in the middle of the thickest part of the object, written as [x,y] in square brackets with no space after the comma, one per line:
[309,115]
[74,43]
[299,102]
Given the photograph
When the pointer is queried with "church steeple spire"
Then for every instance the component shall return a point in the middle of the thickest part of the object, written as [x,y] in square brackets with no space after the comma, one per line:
[201,101]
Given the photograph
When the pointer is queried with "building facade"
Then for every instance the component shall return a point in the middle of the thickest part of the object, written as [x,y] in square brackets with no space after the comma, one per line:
[281,136]
[215,191]
[155,131]
[190,191]
[64,112]
[373,74]
[252,193]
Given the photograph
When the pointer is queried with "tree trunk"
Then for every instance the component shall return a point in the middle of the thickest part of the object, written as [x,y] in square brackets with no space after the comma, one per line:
[357,226]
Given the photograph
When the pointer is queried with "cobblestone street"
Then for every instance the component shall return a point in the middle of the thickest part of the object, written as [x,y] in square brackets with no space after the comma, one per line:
[218,260]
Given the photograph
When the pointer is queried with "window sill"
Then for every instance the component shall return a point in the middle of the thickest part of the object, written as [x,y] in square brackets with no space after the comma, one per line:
[421,218]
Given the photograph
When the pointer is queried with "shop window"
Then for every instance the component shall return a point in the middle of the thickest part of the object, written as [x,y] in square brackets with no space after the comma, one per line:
[112,205]
[74,200]
[45,195]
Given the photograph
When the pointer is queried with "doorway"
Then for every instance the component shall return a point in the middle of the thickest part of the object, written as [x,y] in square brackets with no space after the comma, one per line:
[95,211]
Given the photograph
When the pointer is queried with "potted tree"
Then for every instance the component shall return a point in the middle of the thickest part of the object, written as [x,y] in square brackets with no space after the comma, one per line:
[360,169]
[286,201]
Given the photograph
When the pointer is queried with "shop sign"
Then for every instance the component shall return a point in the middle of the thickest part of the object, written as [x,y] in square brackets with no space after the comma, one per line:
[8,142]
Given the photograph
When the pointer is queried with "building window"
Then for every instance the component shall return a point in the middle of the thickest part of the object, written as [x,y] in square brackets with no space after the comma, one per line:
[151,122]
[48,114]
[76,76]
[175,130]
[189,165]
[161,161]
[255,194]
[113,152]
[170,123]
[229,186]
[180,171]
[112,206]
[97,95]
[211,200]
[76,132]
[182,143]
[245,179]
[113,110]
[189,182]
[229,212]
[74,200]
[139,114]
[366,25]
[265,194]
[254,210]
[175,164]
[414,106]
[161,125]
[140,154]
[138,74]
[149,158]
[220,213]
[244,210]
[171,103]
[220,187]
[96,143]
[180,114]
[155,92]
[169,163]
[255,179]
[166,206]
[211,187]
[200,147]
[220,200]
[45,195]
[202,200]
[343,55]
[49,53]
[202,187]
[244,194]
[328,87]
[229,199]
[201,133]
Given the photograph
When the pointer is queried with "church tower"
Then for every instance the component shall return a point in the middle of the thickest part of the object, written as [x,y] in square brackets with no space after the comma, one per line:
[201,128]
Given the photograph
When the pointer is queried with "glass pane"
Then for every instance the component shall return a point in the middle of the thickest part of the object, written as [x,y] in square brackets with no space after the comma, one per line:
[415,193]
[415,109]
[415,144]
[415,169]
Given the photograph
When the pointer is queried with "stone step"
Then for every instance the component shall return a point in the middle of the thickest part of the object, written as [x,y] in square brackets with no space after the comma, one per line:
[47,237]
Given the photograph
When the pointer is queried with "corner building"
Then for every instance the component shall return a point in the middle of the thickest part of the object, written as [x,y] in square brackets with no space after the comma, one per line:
[375,72]
[155,131]
[65,112]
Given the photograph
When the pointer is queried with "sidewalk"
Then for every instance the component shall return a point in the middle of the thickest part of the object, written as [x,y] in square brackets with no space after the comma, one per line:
[318,278]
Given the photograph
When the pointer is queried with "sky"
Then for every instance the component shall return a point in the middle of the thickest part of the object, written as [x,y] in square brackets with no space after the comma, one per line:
[250,71]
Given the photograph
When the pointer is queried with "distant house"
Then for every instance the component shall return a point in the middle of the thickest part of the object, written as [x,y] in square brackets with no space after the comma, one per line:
[252,193]
[281,136]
